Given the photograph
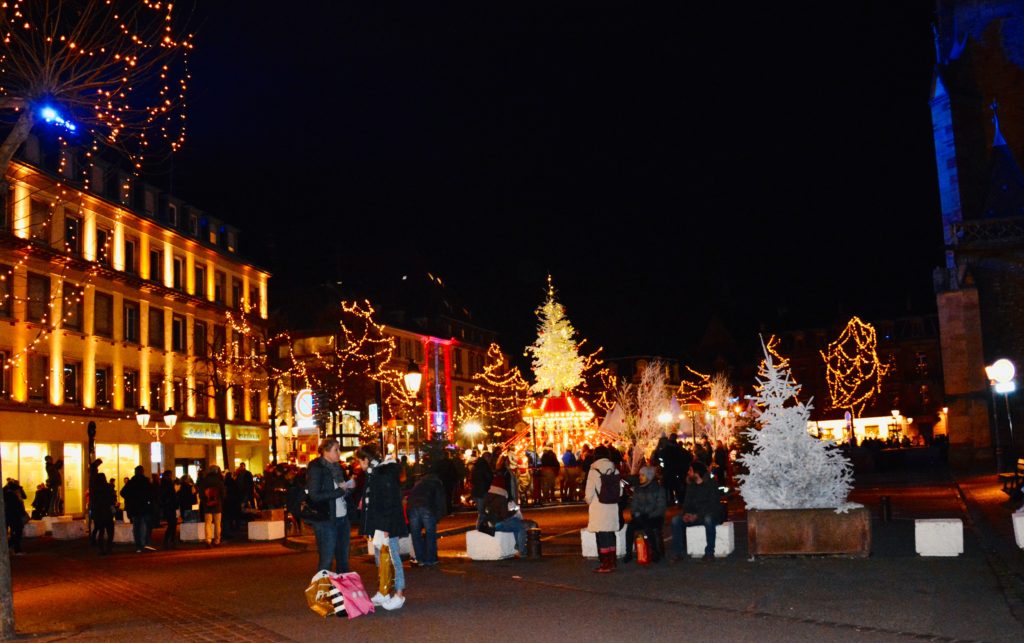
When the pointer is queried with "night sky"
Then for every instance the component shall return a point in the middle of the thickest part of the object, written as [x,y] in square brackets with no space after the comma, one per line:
[764,164]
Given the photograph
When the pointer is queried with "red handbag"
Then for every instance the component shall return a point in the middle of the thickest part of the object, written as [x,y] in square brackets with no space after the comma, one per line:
[643,550]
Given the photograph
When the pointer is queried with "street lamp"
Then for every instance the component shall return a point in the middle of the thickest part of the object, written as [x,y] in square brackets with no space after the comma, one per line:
[142,417]
[1000,378]
[895,421]
[413,378]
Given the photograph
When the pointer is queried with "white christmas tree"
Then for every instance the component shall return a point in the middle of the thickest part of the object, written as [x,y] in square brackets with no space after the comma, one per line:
[788,468]
[557,364]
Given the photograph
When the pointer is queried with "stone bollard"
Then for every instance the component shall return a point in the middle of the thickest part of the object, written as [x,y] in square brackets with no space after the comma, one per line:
[886,508]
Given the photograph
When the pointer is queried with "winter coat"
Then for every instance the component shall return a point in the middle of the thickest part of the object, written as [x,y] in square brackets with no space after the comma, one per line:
[496,505]
[138,496]
[603,517]
[648,500]
[382,501]
[482,475]
[320,479]
[211,493]
[429,492]
[102,499]
[14,503]
[702,499]
[168,497]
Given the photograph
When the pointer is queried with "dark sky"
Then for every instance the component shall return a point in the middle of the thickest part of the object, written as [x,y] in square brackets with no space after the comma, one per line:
[758,162]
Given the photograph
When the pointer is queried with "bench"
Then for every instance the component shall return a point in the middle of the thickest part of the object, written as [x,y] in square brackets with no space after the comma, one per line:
[1012,481]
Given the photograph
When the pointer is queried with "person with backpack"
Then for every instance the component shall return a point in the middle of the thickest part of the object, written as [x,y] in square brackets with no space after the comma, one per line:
[211,503]
[602,494]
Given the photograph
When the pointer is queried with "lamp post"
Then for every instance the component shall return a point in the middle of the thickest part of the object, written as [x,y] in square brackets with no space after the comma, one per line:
[1000,378]
[413,378]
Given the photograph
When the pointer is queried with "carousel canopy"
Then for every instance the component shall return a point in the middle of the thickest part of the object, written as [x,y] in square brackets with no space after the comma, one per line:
[564,408]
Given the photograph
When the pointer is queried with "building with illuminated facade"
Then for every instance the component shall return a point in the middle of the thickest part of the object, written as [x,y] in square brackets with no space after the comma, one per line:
[110,294]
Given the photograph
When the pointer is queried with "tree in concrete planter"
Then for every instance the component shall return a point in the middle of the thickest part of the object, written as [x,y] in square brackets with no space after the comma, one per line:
[787,468]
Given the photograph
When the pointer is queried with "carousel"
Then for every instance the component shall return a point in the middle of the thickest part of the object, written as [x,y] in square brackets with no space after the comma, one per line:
[563,422]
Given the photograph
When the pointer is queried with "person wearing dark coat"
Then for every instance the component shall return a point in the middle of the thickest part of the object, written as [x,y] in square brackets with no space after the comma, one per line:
[647,513]
[426,505]
[701,506]
[446,471]
[232,504]
[211,503]
[169,508]
[102,498]
[187,498]
[383,519]
[481,476]
[138,501]
[14,512]
[327,487]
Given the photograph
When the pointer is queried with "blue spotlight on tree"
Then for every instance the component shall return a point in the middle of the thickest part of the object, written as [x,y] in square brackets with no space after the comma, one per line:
[51,115]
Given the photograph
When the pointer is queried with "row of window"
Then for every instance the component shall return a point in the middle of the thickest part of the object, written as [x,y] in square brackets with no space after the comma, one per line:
[40,214]
[38,387]
[38,307]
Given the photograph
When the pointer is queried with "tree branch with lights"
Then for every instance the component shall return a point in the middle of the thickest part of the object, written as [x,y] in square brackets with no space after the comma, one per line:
[853,371]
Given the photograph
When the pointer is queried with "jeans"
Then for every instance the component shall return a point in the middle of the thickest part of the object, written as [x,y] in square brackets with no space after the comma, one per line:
[515,525]
[710,521]
[396,559]
[212,521]
[332,542]
[140,527]
[420,519]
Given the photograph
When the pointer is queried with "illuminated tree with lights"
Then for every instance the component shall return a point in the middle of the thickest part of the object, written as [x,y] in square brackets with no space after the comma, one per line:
[235,361]
[787,468]
[115,70]
[500,393]
[557,364]
[852,369]
[641,404]
[599,386]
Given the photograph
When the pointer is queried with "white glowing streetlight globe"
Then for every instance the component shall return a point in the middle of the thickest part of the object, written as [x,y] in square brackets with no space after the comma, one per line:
[472,428]
[1001,372]
[665,417]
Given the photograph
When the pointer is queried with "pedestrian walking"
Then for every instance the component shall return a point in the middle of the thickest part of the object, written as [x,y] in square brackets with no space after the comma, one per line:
[327,486]
[169,508]
[14,513]
[382,512]
[211,503]
[138,499]
[103,499]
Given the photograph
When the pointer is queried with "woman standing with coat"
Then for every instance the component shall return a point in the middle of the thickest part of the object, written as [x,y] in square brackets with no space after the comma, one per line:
[382,512]
[326,486]
[603,517]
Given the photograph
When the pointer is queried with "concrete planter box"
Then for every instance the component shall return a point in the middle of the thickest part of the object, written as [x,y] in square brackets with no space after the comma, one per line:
[788,532]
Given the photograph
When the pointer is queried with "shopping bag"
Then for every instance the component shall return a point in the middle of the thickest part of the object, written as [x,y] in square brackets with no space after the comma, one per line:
[350,585]
[387,571]
[320,594]
[643,550]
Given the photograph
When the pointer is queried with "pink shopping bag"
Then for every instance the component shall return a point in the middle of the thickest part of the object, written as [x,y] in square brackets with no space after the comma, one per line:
[357,602]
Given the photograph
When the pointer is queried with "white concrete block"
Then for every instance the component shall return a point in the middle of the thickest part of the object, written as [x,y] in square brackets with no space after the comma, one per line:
[48,522]
[696,540]
[34,529]
[68,529]
[588,542]
[192,532]
[266,530]
[1018,527]
[480,546]
[123,533]
[939,536]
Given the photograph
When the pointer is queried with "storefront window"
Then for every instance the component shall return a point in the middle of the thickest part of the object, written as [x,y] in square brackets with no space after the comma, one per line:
[23,461]
[119,461]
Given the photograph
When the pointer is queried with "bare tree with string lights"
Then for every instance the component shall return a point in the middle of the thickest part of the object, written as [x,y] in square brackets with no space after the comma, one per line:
[852,368]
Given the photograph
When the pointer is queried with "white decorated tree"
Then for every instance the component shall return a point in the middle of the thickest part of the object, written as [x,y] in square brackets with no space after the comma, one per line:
[787,467]
[557,363]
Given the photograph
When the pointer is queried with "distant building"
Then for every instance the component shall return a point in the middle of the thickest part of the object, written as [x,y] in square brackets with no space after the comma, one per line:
[109,289]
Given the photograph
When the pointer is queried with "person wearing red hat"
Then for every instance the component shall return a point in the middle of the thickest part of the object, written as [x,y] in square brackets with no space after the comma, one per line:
[504,513]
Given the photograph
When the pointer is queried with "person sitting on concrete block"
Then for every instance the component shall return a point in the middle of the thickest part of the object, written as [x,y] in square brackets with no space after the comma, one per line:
[701,506]
[504,514]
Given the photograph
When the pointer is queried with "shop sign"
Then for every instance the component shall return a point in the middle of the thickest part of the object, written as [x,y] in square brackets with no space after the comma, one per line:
[200,432]
[248,435]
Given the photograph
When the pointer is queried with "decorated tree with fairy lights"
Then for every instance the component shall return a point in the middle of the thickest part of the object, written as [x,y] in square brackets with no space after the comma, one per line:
[110,71]
[557,363]
[852,369]
[787,468]
[641,404]
[499,395]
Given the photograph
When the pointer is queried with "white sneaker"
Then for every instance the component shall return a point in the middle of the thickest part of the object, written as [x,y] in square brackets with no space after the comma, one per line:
[379,599]
[394,603]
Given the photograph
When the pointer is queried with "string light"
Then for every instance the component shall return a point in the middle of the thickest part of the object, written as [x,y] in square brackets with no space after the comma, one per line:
[499,396]
[852,369]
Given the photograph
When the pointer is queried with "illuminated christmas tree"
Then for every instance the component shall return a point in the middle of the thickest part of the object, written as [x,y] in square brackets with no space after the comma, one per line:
[787,467]
[499,396]
[852,368]
[557,364]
